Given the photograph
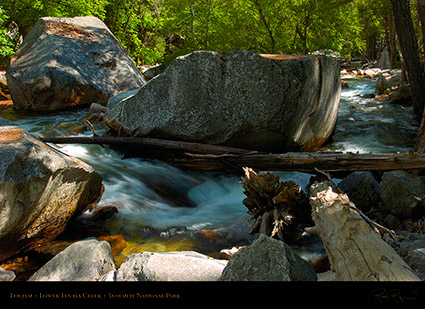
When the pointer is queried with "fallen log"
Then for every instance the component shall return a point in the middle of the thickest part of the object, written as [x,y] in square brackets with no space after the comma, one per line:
[356,252]
[148,143]
[205,157]
[304,162]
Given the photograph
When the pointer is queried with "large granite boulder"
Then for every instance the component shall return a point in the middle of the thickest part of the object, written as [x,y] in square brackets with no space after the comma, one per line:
[65,62]
[240,99]
[85,260]
[40,190]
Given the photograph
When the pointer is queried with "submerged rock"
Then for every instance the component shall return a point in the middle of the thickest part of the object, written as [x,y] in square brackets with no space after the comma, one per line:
[86,260]
[41,189]
[240,99]
[170,266]
[267,259]
[65,62]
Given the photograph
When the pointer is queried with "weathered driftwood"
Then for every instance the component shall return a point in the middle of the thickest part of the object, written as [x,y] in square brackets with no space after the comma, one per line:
[356,252]
[206,157]
[270,202]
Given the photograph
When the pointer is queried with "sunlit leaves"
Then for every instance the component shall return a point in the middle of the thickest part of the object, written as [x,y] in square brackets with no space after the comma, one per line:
[6,42]
[266,26]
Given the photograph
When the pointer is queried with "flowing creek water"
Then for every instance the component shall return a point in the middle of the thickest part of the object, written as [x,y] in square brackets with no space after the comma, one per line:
[162,208]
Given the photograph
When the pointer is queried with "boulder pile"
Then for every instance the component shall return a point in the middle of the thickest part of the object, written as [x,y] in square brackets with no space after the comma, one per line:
[91,260]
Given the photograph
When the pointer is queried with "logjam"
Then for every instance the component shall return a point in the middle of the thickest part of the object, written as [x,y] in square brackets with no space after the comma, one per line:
[356,252]
[270,202]
[205,157]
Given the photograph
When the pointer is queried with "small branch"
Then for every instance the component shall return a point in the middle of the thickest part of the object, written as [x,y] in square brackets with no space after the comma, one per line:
[91,127]
[373,224]
[325,174]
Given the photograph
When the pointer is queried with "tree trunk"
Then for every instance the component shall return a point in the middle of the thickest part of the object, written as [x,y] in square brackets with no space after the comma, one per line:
[390,38]
[420,143]
[409,50]
[355,251]
[206,157]
[420,4]
[267,27]
[371,48]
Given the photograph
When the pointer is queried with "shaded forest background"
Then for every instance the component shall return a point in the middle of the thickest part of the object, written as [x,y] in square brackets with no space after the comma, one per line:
[157,31]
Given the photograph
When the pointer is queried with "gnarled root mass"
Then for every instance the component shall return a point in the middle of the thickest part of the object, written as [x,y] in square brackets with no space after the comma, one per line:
[270,202]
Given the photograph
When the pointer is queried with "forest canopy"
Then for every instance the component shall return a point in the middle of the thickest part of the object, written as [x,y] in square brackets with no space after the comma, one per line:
[156,31]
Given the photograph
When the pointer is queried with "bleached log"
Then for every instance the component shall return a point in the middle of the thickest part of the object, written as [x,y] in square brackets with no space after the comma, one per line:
[356,252]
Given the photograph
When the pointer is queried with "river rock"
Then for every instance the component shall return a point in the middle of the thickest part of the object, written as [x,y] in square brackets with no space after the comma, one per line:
[387,79]
[65,62]
[153,71]
[170,266]
[239,99]
[416,260]
[267,259]
[7,275]
[391,82]
[401,94]
[362,189]
[86,260]
[41,189]
[4,90]
[401,193]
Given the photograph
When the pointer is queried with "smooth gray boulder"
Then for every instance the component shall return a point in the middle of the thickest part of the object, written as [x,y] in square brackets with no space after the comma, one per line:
[65,62]
[85,260]
[170,266]
[239,99]
[267,259]
[41,189]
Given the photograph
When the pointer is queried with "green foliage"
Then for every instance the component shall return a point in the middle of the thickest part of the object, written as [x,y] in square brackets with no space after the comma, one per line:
[137,26]
[154,31]
[6,43]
